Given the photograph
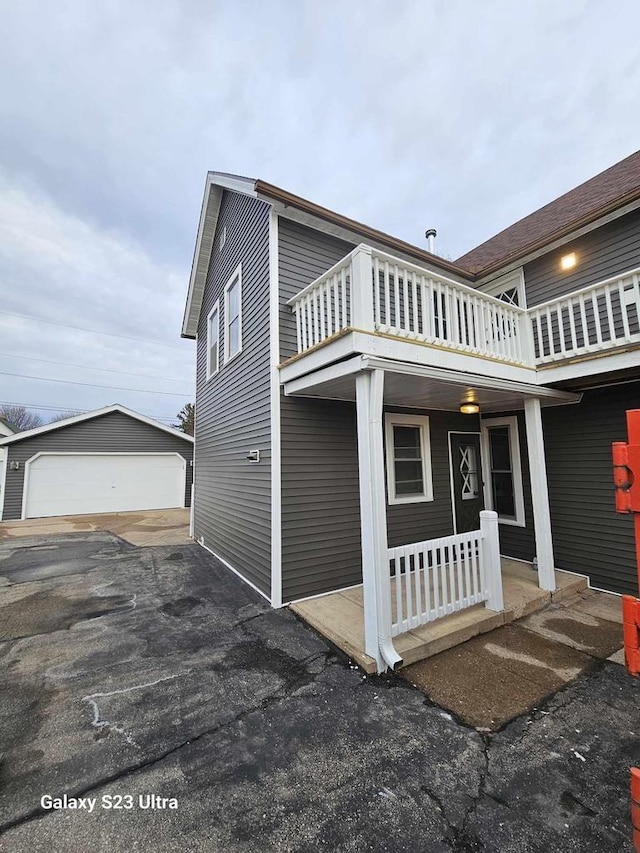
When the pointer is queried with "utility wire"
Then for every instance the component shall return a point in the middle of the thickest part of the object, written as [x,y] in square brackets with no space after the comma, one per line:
[92,385]
[47,408]
[86,367]
[93,331]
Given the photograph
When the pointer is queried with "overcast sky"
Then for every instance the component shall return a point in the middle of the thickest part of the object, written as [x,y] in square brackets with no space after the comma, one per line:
[404,114]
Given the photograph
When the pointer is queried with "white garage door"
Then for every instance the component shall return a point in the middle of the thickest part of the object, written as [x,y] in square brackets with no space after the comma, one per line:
[75,484]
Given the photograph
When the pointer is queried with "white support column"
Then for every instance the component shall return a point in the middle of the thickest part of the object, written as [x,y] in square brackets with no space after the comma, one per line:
[540,494]
[362,289]
[492,568]
[373,521]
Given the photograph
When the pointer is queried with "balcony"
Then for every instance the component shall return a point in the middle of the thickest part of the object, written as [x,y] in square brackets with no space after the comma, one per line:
[372,292]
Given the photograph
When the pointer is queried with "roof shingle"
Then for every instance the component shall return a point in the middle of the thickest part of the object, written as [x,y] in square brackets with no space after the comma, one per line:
[607,191]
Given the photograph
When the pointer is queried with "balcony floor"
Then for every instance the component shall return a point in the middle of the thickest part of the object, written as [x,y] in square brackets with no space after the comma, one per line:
[339,616]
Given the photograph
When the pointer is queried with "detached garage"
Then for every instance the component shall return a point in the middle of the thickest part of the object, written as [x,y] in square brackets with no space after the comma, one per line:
[110,460]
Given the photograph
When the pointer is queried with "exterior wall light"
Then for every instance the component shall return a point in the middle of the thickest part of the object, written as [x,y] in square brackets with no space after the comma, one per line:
[568,262]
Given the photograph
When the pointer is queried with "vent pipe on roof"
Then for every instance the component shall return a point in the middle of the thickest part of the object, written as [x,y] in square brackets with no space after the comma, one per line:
[431,236]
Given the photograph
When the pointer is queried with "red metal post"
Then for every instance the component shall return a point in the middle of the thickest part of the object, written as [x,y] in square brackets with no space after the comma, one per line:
[626,476]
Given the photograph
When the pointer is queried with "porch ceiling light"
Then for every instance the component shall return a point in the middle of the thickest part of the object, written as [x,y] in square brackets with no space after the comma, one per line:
[568,262]
[469,404]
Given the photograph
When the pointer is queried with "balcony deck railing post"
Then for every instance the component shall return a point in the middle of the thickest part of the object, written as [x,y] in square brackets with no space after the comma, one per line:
[362,289]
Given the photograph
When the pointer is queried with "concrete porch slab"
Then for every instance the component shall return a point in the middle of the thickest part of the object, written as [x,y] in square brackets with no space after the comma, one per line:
[494,678]
[339,616]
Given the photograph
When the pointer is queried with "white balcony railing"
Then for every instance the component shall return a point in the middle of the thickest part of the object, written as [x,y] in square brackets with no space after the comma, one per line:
[441,576]
[600,317]
[369,290]
[372,291]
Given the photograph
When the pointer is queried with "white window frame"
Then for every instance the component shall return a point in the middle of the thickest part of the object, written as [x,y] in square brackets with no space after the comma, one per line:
[516,467]
[422,423]
[215,310]
[237,276]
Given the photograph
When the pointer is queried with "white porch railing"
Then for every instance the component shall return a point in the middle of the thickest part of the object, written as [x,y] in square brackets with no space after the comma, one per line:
[602,316]
[369,290]
[438,577]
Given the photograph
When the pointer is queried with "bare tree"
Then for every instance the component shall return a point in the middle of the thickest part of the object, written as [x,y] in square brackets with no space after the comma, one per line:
[186,419]
[62,416]
[19,418]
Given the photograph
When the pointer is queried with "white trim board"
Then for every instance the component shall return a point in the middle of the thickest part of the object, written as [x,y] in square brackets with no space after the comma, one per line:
[274,408]
[87,416]
[229,566]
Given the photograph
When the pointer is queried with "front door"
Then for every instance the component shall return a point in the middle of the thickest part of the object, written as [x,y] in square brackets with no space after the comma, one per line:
[467,480]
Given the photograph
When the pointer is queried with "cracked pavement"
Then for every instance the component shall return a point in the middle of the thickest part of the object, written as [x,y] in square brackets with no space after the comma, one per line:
[134,671]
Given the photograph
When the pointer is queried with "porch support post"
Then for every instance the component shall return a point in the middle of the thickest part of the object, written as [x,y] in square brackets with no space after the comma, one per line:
[376,578]
[540,494]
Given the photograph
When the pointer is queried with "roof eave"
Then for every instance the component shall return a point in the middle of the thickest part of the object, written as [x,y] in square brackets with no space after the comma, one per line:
[87,416]
[215,184]
[566,231]
[269,192]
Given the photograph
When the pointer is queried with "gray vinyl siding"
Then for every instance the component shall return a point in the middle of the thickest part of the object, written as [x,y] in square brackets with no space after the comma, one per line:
[415,522]
[110,433]
[232,508]
[303,255]
[320,491]
[588,535]
[320,497]
[606,252]
[519,542]
[321,548]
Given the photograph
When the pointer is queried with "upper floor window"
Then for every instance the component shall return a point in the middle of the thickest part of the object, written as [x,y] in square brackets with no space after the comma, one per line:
[408,448]
[213,341]
[233,315]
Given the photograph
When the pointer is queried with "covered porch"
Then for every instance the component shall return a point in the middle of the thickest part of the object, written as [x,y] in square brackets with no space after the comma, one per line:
[411,589]
[339,616]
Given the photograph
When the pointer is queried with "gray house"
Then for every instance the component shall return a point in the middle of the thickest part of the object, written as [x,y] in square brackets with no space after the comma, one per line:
[108,460]
[370,413]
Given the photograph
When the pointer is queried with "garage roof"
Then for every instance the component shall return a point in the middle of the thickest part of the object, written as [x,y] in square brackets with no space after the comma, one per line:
[87,416]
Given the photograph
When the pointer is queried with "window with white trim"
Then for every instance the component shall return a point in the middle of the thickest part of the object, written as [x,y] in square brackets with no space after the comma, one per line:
[502,469]
[213,341]
[408,447]
[233,315]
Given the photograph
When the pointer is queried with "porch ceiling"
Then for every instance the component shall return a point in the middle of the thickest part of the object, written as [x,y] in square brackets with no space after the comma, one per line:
[418,387]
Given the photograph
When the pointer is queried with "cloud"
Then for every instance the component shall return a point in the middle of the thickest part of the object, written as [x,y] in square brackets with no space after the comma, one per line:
[463,116]
[57,267]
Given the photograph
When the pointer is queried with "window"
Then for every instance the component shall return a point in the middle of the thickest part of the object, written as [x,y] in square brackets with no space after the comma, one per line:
[502,472]
[233,316]
[408,459]
[213,341]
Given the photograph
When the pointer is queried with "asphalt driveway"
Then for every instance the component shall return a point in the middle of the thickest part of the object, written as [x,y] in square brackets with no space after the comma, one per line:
[129,672]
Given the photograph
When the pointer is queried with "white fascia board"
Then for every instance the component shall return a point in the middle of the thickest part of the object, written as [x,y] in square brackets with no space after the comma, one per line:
[588,366]
[215,184]
[463,378]
[324,374]
[87,416]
